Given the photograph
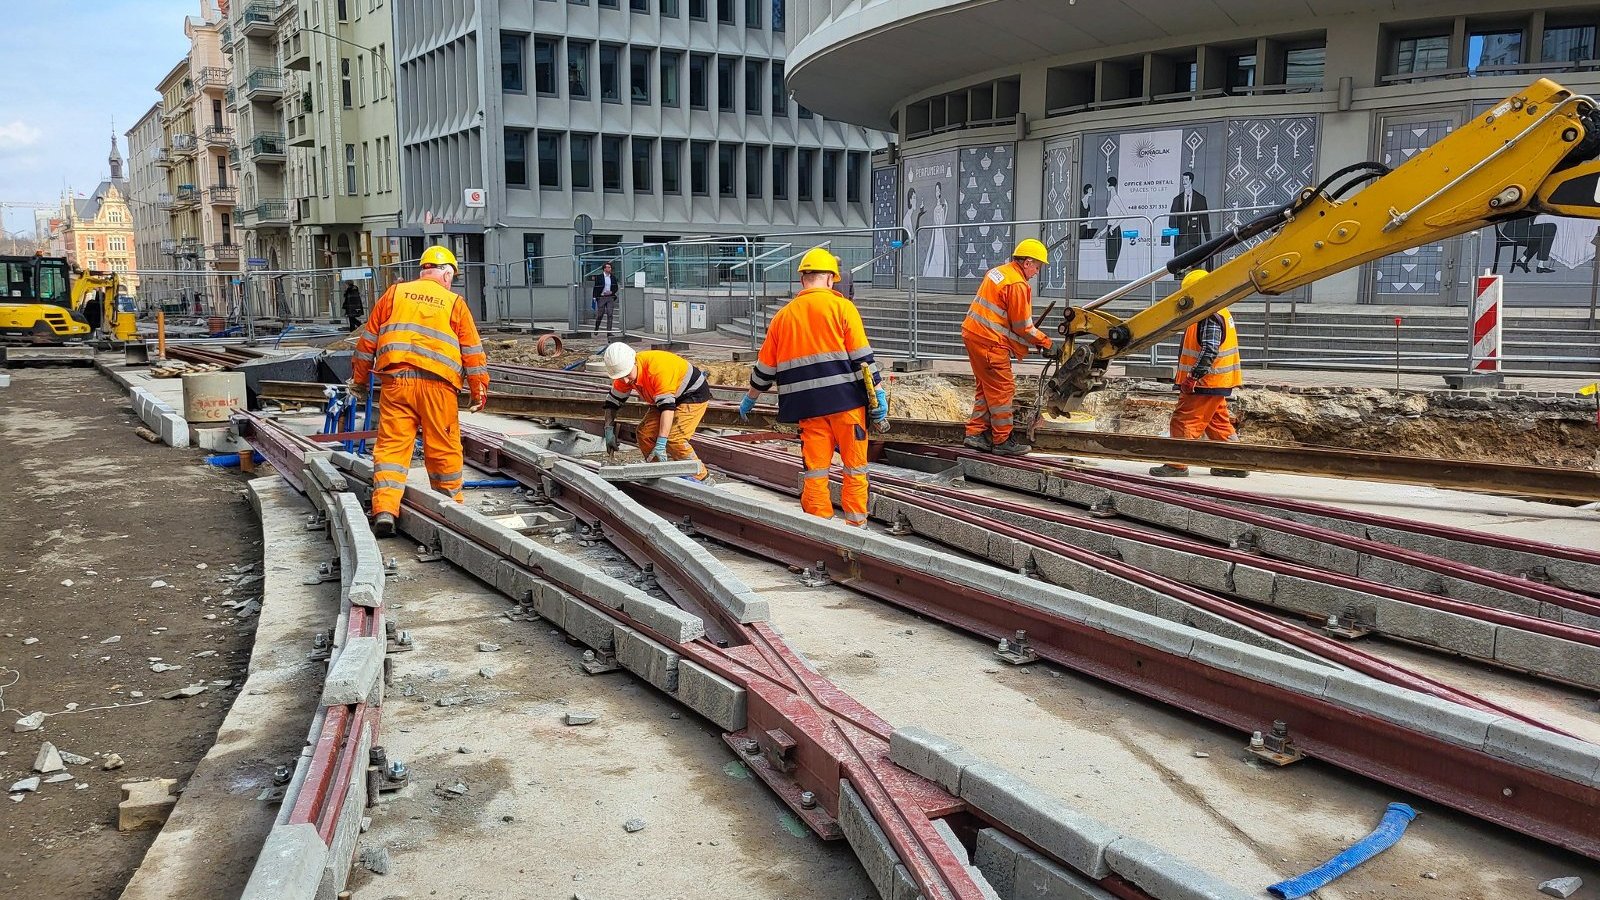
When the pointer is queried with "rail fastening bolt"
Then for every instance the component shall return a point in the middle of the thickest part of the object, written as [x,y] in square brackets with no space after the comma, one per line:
[1257,742]
[808,800]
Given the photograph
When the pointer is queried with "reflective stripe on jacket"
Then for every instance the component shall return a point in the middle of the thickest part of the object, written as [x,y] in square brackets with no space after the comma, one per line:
[814,351]
[1224,372]
[663,379]
[1002,312]
[420,325]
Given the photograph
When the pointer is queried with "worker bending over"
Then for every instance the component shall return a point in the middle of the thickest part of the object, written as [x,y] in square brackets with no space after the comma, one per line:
[999,325]
[677,392]
[1208,371]
[421,341]
[815,349]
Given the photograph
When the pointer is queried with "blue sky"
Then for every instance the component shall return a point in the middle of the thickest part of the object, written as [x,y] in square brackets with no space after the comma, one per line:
[60,88]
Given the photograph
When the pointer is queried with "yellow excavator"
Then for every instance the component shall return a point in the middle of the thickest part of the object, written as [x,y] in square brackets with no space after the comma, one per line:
[1533,153]
[42,301]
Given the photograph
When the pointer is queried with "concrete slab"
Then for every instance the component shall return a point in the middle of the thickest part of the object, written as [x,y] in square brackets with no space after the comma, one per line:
[711,695]
[1567,660]
[1262,665]
[650,471]
[933,757]
[290,866]
[1410,709]
[1164,876]
[1575,760]
[646,658]
[1065,833]
[353,677]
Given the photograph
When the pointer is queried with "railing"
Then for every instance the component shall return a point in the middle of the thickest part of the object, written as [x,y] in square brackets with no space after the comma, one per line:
[223,194]
[163,201]
[233,156]
[264,81]
[257,14]
[213,77]
[164,156]
[169,246]
[190,246]
[268,144]
[229,96]
[272,212]
[187,194]
[225,251]
[219,135]
[183,142]
[227,39]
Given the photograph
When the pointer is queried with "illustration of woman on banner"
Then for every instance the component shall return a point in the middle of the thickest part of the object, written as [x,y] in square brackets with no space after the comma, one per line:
[1116,211]
[938,264]
[912,218]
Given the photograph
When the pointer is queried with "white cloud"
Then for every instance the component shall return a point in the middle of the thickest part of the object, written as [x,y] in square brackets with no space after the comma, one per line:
[17,133]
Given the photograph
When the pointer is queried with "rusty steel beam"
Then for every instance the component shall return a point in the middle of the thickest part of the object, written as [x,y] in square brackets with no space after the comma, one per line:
[1461,474]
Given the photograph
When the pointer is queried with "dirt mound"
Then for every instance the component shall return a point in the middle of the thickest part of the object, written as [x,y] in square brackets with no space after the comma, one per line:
[932,398]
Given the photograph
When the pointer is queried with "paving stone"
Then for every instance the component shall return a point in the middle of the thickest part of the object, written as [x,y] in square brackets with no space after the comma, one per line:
[145,804]
[174,430]
[870,844]
[711,695]
[1089,580]
[587,625]
[1546,655]
[1165,876]
[354,674]
[1527,745]
[1016,872]
[290,865]
[1155,512]
[1188,568]
[1315,598]
[1065,833]
[933,757]
[1146,629]
[948,835]
[1561,887]
[1252,583]
[649,471]
[419,528]
[1439,628]
[514,581]
[646,658]
[319,467]
[476,560]
[1219,528]
[1569,616]
[1002,475]
[1410,709]
[347,828]
[1310,551]
[1262,665]
[663,618]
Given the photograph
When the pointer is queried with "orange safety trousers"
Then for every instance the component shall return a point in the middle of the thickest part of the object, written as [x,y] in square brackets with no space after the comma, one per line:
[406,406]
[992,409]
[846,431]
[683,428]
[1201,415]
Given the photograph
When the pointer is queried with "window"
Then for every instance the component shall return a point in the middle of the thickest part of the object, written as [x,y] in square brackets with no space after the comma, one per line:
[639,75]
[1241,70]
[669,9]
[119,245]
[780,102]
[699,81]
[752,86]
[216,113]
[830,176]
[804,113]
[725,99]
[550,159]
[544,66]
[344,12]
[807,157]
[1491,49]
[345,91]
[361,79]
[611,164]
[1185,76]
[611,73]
[1569,44]
[780,173]
[671,166]
[1421,54]
[754,165]
[639,6]
[578,70]
[697,9]
[609,4]
[728,170]
[582,149]
[642,165]
[366,169]
[349,170]
[516,154]
[725,12]
[380,73]
[852,177]
[777,15]
[511,73]
[670,60]
[532,257]
[700,168]
[1304,65]
[752,13]
[227,230]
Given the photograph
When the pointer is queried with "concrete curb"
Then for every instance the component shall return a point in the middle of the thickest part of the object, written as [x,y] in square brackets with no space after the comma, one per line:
[160,418]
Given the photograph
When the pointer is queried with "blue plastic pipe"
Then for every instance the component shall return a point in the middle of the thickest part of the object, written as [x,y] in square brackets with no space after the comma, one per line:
[1386,835]
[492,483]
[229,460]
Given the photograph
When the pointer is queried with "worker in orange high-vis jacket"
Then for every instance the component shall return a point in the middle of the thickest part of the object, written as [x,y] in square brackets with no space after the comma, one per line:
[421,341]
[999,325]
[814,352]
[1208,371]
[678,394]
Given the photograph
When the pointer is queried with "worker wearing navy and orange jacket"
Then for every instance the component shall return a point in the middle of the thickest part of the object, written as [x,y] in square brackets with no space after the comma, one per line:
[422,342]
[678,394]
[1208,371]
[814,351]
[999,325]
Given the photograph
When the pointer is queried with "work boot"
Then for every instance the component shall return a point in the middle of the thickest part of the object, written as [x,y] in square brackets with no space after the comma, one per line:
[1230,473]
[383,525]
[1168,471]
[980,442]
[1015,445]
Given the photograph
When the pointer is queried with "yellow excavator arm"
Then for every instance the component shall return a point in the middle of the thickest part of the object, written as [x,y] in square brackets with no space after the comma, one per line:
[121,324]
[1533,153]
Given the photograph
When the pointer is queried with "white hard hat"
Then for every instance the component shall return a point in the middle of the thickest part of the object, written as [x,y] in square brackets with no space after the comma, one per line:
[618,360]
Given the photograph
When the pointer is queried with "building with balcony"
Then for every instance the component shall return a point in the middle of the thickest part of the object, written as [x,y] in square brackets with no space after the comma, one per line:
[147,182]
[1168,118]
[98,230]
[259,158]
[652,121]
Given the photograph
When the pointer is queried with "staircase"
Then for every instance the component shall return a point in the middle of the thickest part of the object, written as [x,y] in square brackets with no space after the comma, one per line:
[1345,338]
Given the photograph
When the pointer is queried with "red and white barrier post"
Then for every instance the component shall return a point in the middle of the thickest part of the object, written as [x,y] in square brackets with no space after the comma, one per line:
[1483,351]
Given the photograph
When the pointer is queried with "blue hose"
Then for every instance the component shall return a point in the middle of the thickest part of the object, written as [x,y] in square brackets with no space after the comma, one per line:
[229,460]
[492,483]
[1386,835]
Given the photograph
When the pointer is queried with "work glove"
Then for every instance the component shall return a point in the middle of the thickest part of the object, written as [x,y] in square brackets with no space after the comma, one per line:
[480,399]
[358,388]
[611,437]
[1047,349]
[659,454]
[745,405]
[882,414]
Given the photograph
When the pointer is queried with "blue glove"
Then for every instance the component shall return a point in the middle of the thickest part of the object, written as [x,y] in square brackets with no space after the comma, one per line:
[659,454]
[883,407]
[745,405]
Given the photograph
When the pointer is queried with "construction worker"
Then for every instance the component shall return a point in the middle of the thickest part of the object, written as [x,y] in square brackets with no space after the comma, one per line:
[421,340]
[999,325]
[1208,371]
[678,394]
[814,352]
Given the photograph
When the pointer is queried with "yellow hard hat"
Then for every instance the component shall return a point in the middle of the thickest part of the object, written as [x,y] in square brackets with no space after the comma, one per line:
[818,259]
[1193,276]
[439,256]
[1032,249]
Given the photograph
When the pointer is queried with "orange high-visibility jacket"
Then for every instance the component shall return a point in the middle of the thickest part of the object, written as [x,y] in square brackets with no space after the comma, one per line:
[664,380]
[1225,371]
[1002,312]
[421,326]
[814,351]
